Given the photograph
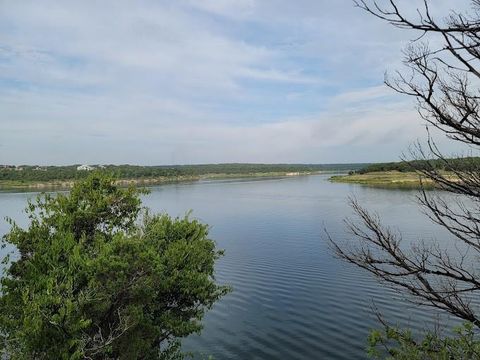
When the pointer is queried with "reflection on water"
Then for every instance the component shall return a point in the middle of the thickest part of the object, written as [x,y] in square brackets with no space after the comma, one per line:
[291,298]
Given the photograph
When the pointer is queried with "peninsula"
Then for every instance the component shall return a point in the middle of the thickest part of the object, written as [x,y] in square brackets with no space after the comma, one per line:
[408,174]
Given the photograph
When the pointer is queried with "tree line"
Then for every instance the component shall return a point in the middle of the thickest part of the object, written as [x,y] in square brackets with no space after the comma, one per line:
[460,164]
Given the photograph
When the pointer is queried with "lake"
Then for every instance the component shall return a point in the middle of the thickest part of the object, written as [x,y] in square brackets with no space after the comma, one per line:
[291,297]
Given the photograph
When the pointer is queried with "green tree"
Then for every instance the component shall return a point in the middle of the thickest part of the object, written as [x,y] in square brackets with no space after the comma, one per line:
[93,279]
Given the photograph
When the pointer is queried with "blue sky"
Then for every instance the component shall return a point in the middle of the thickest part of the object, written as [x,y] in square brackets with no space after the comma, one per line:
[190,81]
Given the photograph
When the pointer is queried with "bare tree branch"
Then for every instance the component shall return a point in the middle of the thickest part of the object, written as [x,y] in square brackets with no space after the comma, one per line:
[444,80]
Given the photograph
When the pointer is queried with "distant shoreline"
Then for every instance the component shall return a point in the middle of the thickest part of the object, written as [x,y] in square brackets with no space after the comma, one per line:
[10,185]
[39,178]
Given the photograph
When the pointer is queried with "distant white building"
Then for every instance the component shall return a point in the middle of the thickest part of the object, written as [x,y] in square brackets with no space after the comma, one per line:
[85,168]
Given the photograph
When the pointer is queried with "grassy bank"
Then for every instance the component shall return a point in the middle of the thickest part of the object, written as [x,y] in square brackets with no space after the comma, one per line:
[393,179]
[8,185]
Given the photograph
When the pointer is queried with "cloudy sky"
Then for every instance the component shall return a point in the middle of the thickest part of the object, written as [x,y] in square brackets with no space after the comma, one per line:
[192,81]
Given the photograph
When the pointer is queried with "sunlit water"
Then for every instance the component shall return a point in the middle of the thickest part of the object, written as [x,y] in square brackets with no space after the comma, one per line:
[291,298]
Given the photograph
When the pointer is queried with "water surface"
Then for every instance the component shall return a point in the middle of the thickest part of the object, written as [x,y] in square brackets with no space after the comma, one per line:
[292,298]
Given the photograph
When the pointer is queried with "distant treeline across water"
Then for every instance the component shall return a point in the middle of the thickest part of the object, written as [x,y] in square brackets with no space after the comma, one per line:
[458,164]
[78,171]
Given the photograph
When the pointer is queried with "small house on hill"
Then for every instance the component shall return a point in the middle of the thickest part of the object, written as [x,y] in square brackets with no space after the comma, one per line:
[85,168]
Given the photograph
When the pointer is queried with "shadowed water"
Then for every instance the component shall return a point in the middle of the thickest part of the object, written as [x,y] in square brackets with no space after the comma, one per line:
[291,298]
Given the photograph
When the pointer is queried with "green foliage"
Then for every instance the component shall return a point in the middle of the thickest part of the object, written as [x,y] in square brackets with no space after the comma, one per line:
[393,343]
[92,279]
[459,164]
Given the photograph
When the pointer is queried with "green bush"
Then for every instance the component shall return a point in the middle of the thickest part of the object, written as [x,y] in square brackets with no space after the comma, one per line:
[91,278]
[398,344]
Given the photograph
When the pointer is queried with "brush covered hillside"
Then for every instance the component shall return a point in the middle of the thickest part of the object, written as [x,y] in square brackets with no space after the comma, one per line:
[28,176]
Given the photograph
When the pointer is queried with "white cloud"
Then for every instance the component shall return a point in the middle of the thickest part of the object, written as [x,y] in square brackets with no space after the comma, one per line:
[230,8]
[199,81]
